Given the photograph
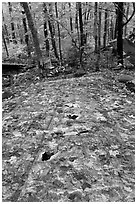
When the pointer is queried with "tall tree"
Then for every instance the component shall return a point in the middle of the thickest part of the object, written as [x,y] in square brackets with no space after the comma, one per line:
[52,30]
[111,28]
[26,32]
[46,28]
[35,36]
[5,45]
[116,24]
[99,38]
[120,32]
[81,25]
[56,9]
[76,21]
[70,18]
[81,32]
[5,30]
[21,36]
[12,24]
[105,28]
[133,13]
[127,13]
[85,11]
[88,14]
[95,26]
[108,27]
[99,26]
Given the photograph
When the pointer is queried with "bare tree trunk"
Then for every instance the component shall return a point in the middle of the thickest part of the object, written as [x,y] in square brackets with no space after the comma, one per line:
[88,15]
[35,36]
[99,27]
[85,11]
[58,33]
[95,27]
[46,29]
[105,28]
[127,13]
[12,24]
[108,28]
[26,32]
[32,13]
[120,33]
[88,12]
[4,41]
[5,30]
[99,39]
[111,29]
[116,26]
[52,31]
[85,4]
[76,21]
[71,25]
[63,8]
[81,33]
[20,33]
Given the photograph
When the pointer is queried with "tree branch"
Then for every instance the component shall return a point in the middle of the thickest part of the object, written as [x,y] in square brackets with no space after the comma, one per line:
[65,29]
[125,15]
[131,15]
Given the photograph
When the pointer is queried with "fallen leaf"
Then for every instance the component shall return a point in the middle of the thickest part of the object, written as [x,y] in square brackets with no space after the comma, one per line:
[128,189]
[16,133]
[13,159]
[113,153]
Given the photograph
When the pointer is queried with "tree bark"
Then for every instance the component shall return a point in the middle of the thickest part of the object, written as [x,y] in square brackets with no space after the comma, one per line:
[20,33]
[105,28]
[127,13]
[46,29]
[4,41]
[76,21]
[108,28]
[95,27]
[5,30]
[81,26]
[26,32]
[52,31]
[81,33]
[56,9]
[116,25]
[70,18]
[35,36]
[99,39]
[99,28]
[111,29]
[12,24]
[120,33]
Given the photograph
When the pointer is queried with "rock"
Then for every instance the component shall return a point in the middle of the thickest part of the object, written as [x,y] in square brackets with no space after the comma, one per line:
[130,86]
[7,94]
[125,78]
[72,116]
[85,185]
[130,67]
[79,73]
[75,196]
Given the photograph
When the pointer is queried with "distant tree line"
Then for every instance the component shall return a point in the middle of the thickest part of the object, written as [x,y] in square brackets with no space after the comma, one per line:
[47,25]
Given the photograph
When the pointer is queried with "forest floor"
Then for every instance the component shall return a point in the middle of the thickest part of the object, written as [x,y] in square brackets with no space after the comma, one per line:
[69,140]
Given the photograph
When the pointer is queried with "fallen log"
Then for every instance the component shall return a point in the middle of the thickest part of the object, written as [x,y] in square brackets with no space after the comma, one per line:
[7,68]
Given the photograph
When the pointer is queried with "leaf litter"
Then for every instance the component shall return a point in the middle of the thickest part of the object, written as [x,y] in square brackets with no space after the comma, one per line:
[70,140]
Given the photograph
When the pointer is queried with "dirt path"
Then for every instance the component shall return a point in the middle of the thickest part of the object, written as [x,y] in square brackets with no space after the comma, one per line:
[85,126]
